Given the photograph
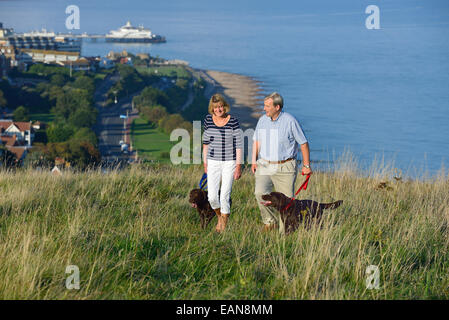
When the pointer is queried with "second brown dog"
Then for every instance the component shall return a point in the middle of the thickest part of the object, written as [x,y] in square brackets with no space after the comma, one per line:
[299,211]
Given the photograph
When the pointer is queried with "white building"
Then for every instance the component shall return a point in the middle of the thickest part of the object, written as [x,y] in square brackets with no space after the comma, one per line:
[23,131]
[51,56]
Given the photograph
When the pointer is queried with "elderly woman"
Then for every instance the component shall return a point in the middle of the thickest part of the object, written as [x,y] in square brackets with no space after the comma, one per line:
[222,154]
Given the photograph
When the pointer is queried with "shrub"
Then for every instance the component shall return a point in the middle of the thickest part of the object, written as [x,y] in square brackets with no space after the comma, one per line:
[21,114]
[59,132]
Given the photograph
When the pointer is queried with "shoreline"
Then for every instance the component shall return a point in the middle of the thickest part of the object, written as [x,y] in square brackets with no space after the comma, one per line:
[243,93]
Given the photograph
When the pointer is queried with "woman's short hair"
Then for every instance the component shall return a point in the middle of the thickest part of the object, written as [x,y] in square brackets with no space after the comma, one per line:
[217,98]
[277,99]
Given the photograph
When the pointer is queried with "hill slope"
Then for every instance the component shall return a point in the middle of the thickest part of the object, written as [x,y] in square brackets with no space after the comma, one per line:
[133,235]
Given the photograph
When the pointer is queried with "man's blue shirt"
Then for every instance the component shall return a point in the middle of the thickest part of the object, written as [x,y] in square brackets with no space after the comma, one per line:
[279,139]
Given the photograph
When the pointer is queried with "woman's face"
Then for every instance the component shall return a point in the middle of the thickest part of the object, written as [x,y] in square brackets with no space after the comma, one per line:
[219,109]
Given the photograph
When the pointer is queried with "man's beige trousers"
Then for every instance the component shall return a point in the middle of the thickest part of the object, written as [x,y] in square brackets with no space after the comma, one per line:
[280,176]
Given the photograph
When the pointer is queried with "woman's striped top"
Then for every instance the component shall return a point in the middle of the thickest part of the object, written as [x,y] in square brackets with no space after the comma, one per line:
[223,141]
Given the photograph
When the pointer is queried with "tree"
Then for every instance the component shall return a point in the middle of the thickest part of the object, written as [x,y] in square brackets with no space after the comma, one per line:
[182,83]
[68,102]
[79,154]
[170,123]
[83,117]
[83,154]
[58,80]
[130,81]
[151,97]
[154,114]
[36,158]
[59,132]
[86,134]
[54,92]
[57,149]
[84,82]
[21,114]
[6,157]
[3,101]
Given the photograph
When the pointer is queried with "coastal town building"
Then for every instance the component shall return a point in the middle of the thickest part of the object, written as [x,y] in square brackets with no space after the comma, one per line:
[126,60]
[143,56]
[5,32]
[41,40]
[115,56]
[94,61]
[176,62]
[19,152]
[51,56]
[16,137]
[9,52]
[61,165]
[21,131]
[15,57]
[56,171]
[37,125]
[82,64]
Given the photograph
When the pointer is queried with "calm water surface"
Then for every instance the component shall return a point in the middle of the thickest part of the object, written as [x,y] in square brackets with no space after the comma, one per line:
[378,93]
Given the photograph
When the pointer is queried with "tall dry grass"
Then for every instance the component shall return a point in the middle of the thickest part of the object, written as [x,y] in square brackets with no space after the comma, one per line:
[133,235]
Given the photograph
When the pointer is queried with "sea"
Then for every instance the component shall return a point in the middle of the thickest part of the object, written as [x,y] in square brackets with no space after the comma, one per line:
[369,86]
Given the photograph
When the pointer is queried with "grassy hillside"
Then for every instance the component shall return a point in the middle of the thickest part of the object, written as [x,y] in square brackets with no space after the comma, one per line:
[134,236]
[150,143]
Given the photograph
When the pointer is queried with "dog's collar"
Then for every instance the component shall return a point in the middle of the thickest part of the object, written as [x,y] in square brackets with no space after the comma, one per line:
[288,204]
[303,186]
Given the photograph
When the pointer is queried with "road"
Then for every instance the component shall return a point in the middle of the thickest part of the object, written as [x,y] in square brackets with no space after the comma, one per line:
[189,97]
[110,127]
[211,84]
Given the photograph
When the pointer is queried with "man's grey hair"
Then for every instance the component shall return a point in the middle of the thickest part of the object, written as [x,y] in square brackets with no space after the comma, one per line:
[277,99]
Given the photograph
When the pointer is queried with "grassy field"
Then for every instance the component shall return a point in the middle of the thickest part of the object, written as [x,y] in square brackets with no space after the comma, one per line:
[45,117]
[133,235]
[150,143]
[166,71]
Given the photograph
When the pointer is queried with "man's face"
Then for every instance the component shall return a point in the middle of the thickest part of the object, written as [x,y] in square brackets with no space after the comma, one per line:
[269,108]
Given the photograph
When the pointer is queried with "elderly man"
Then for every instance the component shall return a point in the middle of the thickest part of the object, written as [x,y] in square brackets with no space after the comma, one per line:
[277,139]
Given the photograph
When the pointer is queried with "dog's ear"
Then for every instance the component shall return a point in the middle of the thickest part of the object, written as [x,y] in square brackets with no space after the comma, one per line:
[283,200]
[201,196]
[274,199]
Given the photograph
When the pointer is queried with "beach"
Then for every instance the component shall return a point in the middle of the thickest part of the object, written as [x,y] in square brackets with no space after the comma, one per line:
[244,94]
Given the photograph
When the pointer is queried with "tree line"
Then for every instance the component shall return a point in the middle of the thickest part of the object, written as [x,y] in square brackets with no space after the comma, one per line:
[68,102]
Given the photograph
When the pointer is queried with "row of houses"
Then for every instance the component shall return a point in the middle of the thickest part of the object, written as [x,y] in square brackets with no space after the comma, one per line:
[22,58]
[11,56]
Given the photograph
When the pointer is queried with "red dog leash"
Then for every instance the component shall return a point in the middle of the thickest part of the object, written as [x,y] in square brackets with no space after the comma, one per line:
[303,186]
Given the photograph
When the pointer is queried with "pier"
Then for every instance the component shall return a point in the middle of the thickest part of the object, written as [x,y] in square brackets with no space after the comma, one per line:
[95,37]
[88,36]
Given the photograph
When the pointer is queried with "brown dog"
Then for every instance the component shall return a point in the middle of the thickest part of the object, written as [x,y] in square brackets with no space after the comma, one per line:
[299,210]
[198,200]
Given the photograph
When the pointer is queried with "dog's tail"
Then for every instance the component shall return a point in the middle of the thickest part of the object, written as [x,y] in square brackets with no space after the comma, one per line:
[332,205]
